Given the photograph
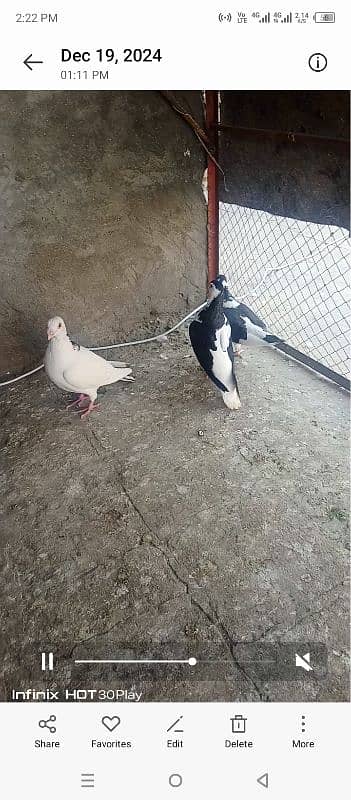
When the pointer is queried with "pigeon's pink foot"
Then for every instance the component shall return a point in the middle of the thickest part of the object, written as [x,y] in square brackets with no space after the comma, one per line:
[90,408]
[79,402]
[238,351]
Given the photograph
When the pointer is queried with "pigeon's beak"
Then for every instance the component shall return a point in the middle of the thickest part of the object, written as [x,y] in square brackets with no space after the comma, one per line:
[50,335]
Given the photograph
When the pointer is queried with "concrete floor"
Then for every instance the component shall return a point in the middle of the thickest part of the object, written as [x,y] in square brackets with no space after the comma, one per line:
[170,523]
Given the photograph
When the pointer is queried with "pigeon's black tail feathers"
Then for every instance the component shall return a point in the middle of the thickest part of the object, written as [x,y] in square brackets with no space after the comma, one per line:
[271,339]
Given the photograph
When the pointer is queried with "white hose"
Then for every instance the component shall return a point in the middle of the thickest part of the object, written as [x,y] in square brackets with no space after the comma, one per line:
[20,377]
[159,336]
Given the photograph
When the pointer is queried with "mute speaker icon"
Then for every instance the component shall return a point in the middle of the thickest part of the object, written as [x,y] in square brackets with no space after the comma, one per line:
[303,661]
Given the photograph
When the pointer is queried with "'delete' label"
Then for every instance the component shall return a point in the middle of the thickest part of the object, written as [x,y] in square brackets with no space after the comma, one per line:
[237,743]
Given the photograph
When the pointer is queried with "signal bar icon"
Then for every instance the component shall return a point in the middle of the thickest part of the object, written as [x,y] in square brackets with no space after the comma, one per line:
[50,662]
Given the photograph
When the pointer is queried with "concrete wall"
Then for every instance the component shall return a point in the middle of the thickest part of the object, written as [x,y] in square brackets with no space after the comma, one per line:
[306,180]
[103,219]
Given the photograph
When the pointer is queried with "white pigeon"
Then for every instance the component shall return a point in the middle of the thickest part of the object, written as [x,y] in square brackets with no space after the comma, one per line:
[77,369]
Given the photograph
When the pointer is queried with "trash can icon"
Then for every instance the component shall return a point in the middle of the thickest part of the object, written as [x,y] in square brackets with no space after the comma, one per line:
[238,723]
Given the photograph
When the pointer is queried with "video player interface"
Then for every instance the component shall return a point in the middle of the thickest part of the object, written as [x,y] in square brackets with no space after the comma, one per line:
[174,400]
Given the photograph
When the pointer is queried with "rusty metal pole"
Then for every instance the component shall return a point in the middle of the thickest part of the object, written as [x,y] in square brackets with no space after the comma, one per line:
[212,183]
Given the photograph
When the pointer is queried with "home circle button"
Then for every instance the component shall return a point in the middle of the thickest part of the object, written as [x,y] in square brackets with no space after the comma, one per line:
[175,780]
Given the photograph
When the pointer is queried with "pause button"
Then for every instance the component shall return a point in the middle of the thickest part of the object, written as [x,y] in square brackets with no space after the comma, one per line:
[47,662]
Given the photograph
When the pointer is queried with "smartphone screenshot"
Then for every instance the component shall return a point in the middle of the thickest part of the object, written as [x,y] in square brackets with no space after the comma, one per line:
[174,400]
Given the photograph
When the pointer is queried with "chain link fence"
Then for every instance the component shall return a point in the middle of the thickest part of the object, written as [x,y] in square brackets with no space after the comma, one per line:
[294,274]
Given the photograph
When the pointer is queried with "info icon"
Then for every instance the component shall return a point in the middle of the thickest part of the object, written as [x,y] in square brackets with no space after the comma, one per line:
[317,62]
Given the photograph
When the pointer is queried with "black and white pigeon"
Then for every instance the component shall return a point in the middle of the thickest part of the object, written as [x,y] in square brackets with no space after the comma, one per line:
[77,369]
[243,321]
[210,336]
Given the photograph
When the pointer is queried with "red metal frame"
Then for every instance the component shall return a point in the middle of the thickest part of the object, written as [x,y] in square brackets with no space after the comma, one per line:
[212,184]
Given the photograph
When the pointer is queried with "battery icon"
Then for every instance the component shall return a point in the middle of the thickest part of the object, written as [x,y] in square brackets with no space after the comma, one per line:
[324,16]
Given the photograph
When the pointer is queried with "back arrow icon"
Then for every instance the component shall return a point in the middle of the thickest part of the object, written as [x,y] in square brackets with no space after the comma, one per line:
[263,780]
[28,62]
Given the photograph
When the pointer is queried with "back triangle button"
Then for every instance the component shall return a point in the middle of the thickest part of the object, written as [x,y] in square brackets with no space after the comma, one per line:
[263,780]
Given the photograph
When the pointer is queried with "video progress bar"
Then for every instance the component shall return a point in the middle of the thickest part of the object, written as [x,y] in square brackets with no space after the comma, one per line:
[190,661]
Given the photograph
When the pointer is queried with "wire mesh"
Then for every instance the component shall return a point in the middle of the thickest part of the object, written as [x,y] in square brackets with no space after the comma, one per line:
[294,274]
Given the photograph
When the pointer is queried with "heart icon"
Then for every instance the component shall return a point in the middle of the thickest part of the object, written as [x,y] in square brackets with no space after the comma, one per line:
[111,723]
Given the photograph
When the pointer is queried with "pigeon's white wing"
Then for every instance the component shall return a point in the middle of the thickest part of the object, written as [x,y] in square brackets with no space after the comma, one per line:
[118,363]
[222,366]
[90,370]
[224,337]
[250,316]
